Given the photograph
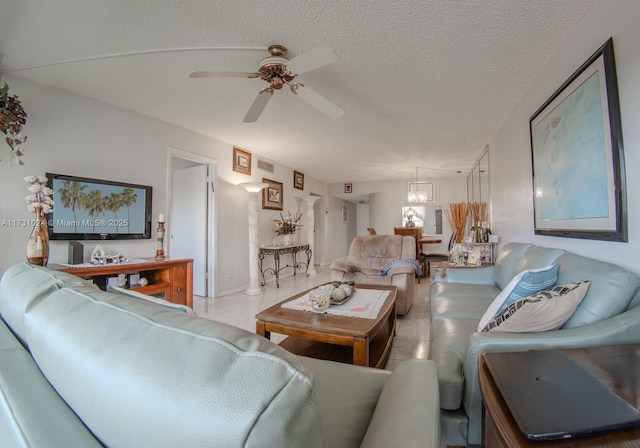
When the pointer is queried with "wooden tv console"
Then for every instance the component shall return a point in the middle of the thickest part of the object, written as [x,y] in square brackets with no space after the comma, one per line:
[172,278]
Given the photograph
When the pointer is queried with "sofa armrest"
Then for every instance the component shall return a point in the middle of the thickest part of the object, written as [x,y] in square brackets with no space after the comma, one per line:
[408,410]
[621,329]
[477,276]
[402,269]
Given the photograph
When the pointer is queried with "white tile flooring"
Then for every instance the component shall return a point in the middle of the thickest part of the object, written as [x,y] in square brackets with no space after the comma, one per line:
[412,331]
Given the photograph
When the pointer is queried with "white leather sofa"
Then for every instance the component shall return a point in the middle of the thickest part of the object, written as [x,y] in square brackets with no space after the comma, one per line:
[609,314]
[80,367]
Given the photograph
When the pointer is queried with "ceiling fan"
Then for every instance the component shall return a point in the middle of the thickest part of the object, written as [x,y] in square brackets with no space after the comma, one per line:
[278,71]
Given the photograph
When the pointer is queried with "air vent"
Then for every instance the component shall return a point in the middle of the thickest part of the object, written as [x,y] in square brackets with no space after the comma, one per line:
[266,166]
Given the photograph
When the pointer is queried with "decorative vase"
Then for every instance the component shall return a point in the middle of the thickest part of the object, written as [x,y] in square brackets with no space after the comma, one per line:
[410,224]
[38,243]
[286,239]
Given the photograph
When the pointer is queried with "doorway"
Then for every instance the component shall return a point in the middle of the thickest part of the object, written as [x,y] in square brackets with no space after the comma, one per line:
[191,209]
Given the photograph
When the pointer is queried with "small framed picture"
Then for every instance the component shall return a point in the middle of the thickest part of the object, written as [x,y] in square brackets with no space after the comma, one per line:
[348,188]
[241,161]
[272,195]
[298,180]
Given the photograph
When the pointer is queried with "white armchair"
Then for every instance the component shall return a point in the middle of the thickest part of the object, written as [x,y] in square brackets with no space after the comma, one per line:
[369,254]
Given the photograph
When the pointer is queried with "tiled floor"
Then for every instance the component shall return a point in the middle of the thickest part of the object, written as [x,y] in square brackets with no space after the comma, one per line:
[412,332]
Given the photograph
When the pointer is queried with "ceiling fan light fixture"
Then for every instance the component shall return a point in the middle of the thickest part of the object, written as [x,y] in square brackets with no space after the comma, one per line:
[277,70]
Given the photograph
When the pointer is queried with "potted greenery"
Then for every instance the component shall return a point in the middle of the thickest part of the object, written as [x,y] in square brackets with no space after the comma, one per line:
[12,119]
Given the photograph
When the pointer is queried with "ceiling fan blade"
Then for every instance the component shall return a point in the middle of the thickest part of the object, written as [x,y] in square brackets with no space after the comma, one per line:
[320,102]
[258,106]
[312,59]
[206,74]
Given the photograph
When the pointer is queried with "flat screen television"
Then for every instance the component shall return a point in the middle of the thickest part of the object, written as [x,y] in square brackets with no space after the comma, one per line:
[94,209]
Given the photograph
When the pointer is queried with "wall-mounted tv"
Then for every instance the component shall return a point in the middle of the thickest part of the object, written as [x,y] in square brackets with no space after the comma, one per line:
[93,209]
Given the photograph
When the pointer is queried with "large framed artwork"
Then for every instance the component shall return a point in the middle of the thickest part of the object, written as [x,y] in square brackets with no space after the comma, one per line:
[272,195]
[579,187]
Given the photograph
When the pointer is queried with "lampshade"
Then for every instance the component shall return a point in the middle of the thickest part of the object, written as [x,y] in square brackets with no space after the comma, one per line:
[253,187]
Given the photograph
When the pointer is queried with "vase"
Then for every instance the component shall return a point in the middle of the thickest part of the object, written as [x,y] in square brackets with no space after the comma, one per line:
[38,243]
[286,239]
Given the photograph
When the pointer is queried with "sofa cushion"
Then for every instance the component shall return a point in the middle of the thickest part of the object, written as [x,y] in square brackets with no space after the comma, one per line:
[523,285]
[611,291]
[507,262]
[347,397]
[465,307]
[32,414]
[236,388]
[544,311]
[450,290]
[448,347]
[345,266]
[538,257]
[23,286]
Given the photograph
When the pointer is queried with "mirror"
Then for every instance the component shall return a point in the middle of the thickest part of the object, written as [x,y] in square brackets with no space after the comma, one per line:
[478,189]
[429,217]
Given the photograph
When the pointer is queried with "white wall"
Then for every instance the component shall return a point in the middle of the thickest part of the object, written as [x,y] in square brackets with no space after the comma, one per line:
[386,199]
[71,134]
[510,151]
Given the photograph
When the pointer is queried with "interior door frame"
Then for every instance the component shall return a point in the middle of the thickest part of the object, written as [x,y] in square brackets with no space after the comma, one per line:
[212,207]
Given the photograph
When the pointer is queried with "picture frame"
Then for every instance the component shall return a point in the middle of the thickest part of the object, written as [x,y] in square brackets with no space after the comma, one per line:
[345,212]
[298,180]
[241,161]
[579,186]
[348,188]
[272,195]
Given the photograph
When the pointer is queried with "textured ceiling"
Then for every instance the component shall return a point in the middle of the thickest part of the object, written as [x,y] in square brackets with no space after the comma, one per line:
[423,83]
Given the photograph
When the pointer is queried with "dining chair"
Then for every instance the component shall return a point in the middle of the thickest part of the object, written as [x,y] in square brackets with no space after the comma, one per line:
[426,259]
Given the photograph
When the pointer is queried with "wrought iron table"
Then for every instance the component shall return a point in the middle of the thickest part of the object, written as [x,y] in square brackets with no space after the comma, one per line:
[276,251]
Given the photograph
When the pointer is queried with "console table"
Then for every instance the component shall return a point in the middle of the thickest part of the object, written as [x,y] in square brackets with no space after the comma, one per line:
[276,251]
[172,278]
[617,366]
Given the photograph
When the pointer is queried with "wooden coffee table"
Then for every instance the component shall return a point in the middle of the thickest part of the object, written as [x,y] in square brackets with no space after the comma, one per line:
[356,340]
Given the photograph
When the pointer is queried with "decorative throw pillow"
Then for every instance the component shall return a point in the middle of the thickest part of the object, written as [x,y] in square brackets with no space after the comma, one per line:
[524,284]
[547,310]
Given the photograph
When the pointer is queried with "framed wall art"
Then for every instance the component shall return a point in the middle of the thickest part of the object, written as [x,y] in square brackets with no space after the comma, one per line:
[579,187]
[298,180]
[241,161]
[348,188]
[272,195]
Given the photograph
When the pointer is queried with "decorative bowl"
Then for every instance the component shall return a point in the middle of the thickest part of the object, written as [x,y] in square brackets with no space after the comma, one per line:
[320,299]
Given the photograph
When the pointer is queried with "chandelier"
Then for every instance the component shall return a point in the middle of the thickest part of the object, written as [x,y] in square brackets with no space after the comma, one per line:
[420,192]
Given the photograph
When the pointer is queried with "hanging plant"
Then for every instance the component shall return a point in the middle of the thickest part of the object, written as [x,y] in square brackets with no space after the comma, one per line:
[12,119]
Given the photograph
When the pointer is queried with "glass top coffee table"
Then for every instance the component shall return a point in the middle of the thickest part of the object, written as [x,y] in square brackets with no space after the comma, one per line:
[355,340]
